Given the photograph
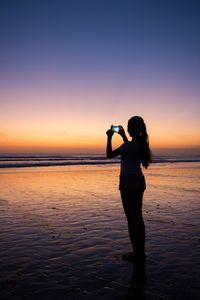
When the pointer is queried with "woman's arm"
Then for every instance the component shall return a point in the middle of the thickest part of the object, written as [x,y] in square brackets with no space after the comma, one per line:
[123,134]
[109,151]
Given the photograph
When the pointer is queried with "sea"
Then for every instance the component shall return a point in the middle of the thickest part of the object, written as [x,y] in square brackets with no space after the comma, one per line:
[44,160]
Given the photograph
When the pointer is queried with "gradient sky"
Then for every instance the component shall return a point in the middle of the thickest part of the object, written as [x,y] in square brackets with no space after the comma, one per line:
[70,69]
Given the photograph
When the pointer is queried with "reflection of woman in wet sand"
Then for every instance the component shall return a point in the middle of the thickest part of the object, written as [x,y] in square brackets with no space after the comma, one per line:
[132,182]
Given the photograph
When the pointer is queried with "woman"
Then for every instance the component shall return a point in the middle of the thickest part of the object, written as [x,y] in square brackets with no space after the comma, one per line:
[132,182]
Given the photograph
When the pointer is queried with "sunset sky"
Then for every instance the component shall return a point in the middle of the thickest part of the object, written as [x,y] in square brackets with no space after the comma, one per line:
[70,69]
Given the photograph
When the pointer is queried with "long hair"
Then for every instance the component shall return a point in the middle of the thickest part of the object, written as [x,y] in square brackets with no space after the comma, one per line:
[137,130]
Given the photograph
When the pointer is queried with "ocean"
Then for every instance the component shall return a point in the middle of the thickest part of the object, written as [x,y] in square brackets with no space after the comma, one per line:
[45,160]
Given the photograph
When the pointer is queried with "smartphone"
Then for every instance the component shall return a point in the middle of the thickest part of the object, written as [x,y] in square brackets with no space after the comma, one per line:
[115,128]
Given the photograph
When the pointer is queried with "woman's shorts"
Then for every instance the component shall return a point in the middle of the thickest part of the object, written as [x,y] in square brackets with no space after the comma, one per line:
[132,182]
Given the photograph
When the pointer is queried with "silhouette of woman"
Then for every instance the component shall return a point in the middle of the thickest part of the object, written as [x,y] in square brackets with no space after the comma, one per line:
[132,182]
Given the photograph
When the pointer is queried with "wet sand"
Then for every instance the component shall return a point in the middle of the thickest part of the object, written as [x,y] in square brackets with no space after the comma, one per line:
[63,232]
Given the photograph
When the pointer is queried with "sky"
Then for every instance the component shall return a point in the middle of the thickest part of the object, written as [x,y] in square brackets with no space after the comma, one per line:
[71,68]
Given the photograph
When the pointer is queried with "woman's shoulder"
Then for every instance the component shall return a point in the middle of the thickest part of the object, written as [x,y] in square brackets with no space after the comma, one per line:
[133,143]
[129,145]
[125,145]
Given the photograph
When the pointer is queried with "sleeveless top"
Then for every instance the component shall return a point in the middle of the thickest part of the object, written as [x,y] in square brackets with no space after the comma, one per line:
[131,176]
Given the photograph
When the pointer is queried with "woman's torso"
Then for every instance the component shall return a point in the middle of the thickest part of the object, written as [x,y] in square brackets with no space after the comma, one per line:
[131,176]
[130,158]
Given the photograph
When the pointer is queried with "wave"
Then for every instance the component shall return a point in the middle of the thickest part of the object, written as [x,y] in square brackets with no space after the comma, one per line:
[19,161]
[44,160]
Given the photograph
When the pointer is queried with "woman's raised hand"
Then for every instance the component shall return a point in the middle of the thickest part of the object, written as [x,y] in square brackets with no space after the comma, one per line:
[123,134]
[109,133]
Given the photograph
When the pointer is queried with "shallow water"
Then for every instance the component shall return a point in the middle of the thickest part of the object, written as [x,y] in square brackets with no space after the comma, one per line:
[63,232]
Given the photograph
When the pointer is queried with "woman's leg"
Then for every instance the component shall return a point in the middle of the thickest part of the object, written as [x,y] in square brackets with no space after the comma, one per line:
[132,204]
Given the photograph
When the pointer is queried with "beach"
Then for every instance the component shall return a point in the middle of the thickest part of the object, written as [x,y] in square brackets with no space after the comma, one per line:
[63,231]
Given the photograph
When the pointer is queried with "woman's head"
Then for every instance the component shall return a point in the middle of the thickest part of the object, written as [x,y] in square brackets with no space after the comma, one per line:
[136,127]
[137,130]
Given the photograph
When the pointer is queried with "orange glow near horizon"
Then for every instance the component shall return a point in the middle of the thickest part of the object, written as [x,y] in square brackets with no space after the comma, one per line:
[75,120]
[84,142]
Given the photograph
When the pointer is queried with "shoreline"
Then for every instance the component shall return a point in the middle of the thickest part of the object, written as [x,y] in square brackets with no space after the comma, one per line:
[29,161]
[106,166]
